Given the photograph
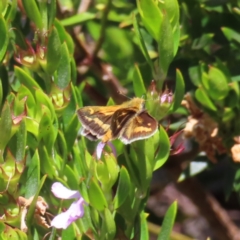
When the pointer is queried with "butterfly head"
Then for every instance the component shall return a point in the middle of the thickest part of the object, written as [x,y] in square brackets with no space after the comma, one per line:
[138,103]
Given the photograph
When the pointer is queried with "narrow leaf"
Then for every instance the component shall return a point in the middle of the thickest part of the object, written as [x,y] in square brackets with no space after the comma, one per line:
[53,51]
[64,68]
[96,196]
[33,13]
[123,188]
[78,18]
[3,38]
[33,176]
[168,222]
[138,83]
[5,126]
[142,43]
[204,99]
[164,148]
[179,91]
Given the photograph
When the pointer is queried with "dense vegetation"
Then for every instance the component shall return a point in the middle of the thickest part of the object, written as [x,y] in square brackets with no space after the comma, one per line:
[180,59]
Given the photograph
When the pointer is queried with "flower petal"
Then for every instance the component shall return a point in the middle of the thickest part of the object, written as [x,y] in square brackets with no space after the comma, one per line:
[99,150]
[64,219]
[60,191]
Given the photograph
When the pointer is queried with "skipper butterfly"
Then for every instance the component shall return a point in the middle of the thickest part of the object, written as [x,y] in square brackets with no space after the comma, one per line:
[128,122]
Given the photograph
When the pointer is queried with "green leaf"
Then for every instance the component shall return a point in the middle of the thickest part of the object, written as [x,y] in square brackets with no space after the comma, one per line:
[11,11]
[172,9]
[64,68]
[203,98]
[151,16]
[204,40]
[71,131]
[102,172]
[224,69]
[3,39]
[47,132]
[231,34]
[195,75]
[72,178]
[164,149]
[33,176]
[68,233]
[61,145]
[32,126]
[30,102]
[47,164]
[218,84]
[43,101]
[165,48]
[107,171]
[228,115]
[78,18]
[5,126]
[138,83]
[144,227]
[9,233]
[53,51]
[21,141]
[123,188]
[64,36]
[142,43]
[113,168]
[168,222]
[179,91]
[3,6]
[70,111]
[144,161]
[96,196]
[21,234]
[33,13]
[35,192]
[236,184]
[1,94]
[109,227]
[26,79]
[51,12]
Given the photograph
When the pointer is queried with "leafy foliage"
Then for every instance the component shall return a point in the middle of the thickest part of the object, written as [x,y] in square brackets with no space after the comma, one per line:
[57,56]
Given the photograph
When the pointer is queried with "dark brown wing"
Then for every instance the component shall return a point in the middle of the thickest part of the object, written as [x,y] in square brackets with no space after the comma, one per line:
[119,120]
[141,126]
[97,122]
[86,133]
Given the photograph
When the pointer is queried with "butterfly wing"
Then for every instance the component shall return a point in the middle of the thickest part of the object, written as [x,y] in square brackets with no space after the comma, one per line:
[86,133]
[141,126]
[95,121]
[119,120]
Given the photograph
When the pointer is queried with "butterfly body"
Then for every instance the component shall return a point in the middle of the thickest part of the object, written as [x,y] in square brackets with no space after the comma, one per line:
[129,122]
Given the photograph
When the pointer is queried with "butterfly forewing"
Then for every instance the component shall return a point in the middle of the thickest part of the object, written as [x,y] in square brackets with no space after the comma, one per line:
[94,120]
[142,126]
[120,119]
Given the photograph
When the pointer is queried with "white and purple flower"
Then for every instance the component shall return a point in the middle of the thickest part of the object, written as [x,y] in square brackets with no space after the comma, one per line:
[74,212]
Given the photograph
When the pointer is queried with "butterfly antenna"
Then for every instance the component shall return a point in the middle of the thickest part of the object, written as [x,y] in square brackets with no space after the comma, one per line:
[119,92]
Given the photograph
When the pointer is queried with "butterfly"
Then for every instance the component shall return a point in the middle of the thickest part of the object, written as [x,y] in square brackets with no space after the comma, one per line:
[128,122]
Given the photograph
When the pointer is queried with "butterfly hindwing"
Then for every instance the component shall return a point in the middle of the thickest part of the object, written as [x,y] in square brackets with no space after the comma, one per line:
[141,126]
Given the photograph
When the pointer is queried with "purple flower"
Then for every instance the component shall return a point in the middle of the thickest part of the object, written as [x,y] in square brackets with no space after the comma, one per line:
[75,211]
[166,98]
[101,146]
